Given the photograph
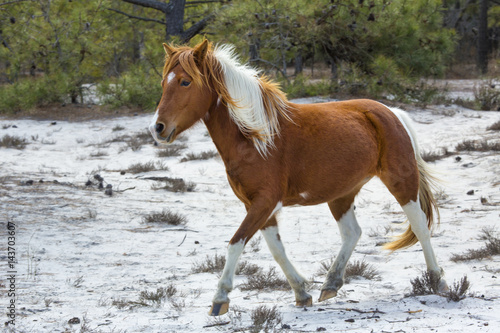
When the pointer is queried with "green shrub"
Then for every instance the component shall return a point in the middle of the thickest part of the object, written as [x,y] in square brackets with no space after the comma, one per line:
[28,93]
[138,87]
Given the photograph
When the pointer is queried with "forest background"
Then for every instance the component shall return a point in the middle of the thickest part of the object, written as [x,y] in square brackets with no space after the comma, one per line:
[56,52]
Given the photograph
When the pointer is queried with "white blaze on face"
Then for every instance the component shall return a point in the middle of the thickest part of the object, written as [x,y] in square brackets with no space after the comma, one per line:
[152,125]
[170,77]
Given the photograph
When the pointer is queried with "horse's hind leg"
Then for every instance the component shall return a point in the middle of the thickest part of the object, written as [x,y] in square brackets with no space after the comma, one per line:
[343,211]
[405,188]
[297,282]
[418,223]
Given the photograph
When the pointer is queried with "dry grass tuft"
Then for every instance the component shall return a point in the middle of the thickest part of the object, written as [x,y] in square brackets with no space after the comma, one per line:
[246,268]
[12,141]
[158,296]
[210,265]
[265,280]
[432,156]
[458,290]
[359,268]
[216,265]
[147,167]
[201,156]
[491,248]
[477,145]
[426,285]
[165,217]
[494,127]
[265,319]
[171,150]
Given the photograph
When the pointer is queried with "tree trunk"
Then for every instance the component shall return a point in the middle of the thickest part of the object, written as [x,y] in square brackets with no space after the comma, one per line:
[175,19]
[482,41]
[299,63]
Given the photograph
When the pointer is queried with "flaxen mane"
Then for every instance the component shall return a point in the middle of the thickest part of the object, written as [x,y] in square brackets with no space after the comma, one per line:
[255,103]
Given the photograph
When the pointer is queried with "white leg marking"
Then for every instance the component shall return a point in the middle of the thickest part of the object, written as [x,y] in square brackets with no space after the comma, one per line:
[304,195]
[419,227]
[350,233]
[226,281]
[297,281]
[170,77]
[277,208]
[277,249]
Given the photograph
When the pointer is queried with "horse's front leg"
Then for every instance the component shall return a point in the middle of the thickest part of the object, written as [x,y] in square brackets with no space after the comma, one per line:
[258,213]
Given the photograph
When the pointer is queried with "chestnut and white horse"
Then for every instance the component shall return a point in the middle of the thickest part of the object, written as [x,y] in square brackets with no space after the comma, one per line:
[278,153]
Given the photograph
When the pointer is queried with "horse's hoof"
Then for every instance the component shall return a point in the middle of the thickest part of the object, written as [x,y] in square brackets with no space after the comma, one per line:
[443,287]
[306,302]
[218,309]
[326,294]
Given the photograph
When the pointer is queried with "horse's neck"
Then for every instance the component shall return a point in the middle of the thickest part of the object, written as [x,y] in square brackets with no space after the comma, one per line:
[225,133]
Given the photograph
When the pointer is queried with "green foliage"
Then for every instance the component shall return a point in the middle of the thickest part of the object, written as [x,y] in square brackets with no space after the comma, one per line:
[50,49]
[301,86]
[28,93]
[407,33]
[137,87]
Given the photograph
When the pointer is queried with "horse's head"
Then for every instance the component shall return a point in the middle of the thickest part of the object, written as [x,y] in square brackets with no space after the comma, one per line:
[186,94]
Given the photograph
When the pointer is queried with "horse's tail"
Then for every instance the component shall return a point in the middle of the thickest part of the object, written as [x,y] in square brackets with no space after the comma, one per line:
[427,182]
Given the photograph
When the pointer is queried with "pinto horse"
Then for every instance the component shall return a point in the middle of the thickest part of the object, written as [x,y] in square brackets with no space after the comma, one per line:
[278,153]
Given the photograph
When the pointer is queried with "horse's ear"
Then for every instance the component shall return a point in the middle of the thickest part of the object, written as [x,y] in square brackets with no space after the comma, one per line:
[200,51]
[169,50]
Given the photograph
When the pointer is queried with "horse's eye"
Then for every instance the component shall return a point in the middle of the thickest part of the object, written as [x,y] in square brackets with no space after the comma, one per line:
[185,83]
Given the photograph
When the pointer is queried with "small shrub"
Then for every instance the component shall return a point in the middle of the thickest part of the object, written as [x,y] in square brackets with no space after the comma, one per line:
[139,86]
[246,268]
[494,127]
[12,141]
[357,269]
[431,156]
[266,280]
[491,248]
[118,128]
[458,290]
[147,167]
[210,265]
[165,217]
[201,156]
[477,145]
[265,319]
[426,285]
[172,150]
[360,269]
[155,297]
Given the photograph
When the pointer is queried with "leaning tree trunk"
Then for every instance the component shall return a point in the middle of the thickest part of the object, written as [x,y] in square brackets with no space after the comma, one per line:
[482,41]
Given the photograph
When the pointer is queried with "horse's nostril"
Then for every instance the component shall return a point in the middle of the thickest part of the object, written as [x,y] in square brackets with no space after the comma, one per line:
[159,128]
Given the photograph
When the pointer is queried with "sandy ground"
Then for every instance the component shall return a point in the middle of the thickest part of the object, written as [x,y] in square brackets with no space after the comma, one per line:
[81,254]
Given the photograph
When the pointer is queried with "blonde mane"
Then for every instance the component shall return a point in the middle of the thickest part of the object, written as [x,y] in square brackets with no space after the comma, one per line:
[255,103]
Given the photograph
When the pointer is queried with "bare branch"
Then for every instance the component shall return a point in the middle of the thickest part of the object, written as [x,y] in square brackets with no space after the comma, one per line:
[136,17]
[196,28]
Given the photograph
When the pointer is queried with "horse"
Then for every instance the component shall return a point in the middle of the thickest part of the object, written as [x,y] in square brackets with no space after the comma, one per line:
[278,153]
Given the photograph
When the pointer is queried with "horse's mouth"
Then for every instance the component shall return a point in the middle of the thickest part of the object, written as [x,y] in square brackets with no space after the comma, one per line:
[161,139]
[171,136]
